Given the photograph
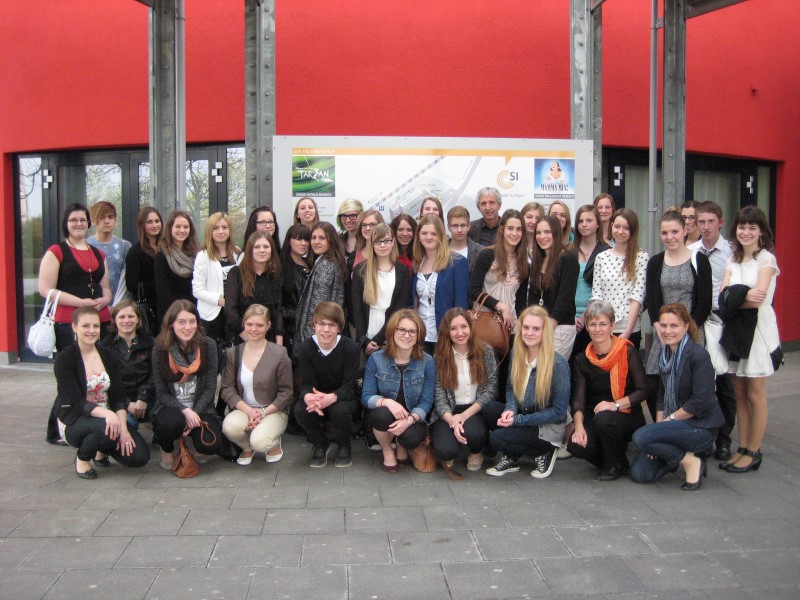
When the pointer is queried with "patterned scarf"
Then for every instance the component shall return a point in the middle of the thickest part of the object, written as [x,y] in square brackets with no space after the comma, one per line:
[615,363]
[178,363]
[670,367]
[180,263]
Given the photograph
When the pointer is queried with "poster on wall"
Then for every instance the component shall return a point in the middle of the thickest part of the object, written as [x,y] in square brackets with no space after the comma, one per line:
[394,175]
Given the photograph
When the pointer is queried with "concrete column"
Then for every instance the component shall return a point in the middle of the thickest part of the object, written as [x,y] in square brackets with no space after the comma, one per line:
[674,108]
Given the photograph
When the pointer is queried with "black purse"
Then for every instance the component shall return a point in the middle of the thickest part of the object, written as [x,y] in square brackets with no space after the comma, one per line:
[147,316]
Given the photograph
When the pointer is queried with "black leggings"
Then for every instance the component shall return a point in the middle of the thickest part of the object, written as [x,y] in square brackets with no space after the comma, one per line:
[168,426]
[514,441]
[445,444]
[381,418]
[88,435]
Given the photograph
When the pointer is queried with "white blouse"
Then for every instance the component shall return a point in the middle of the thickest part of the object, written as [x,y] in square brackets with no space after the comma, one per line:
[377,312]
[610,284]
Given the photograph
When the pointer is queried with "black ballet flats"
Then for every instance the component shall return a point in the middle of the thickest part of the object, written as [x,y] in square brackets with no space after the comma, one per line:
[693,487]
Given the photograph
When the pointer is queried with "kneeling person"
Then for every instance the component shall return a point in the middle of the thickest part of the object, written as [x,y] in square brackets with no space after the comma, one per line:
[328,365]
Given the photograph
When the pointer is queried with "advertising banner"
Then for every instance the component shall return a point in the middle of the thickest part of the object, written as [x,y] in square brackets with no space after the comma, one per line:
[394,175]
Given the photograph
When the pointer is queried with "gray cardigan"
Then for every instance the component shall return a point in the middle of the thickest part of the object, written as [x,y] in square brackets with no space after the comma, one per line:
[444,401]
[326,282]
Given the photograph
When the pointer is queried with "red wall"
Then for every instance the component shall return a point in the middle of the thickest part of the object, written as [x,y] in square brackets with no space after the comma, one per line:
[76,76]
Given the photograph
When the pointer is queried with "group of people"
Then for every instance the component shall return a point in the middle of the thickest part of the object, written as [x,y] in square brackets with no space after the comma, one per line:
[370,324]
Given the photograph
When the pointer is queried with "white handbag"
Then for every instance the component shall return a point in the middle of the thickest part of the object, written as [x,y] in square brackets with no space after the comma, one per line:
[42,336]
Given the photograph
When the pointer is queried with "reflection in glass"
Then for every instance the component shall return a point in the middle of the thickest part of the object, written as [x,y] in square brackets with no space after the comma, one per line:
[237,188]
[31,240]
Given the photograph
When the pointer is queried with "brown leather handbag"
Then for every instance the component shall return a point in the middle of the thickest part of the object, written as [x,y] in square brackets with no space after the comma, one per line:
[488,326]
[184,465]
[423,458]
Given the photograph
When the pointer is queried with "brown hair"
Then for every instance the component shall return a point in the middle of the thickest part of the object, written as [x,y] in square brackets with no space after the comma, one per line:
[520,255]
[443,258]
[167,244]
[629,264]
[417,352]
[144,239]
[335,251]
[751,215]
[166,339]
[457,212]
[361,241]
[606,234]
[101,209]
[680,311]
[118,308]
[578,238]
[407,251]
[380,231]
[296,219]
[445,361]
[709,207]
[84,310]
[436,201]
[541,260]
[330,311]
[567,229]
[247,269]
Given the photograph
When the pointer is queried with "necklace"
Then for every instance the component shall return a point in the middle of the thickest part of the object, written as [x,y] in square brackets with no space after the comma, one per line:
[88,264]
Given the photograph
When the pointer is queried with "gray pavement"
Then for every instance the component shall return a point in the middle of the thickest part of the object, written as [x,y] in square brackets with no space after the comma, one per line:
[286,531]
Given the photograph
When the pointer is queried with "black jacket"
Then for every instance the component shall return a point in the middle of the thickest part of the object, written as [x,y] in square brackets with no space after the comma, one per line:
[588,272]
[206,390]
[70,375]
[401,298]
[740,323]
[136,372]
[701,295]
[559,298]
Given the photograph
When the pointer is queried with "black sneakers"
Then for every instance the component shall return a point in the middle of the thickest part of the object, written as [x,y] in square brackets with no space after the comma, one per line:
[505,465]
[343,458]
[319,457]
[544,464]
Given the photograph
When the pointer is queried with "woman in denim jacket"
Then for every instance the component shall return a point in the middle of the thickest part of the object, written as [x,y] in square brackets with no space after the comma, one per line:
[398,388]
[533,419]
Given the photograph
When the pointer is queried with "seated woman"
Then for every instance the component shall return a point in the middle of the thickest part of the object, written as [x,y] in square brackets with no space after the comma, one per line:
[466,382]
[134,349]
[91,413]
[328,364]
[608,386]
[533,420]
[257,386]
[687,413]
[398,388]
[185,377]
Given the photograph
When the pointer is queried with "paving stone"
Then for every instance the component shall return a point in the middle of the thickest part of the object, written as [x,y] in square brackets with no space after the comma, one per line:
[11,519]
[598,574]
[764,534]
[685,571]
[293,476]
[762,593]
[300,583]
[102,584]
[533,515]
[230,583]
[15,551]
[438,546]
[262,551]
[78,553]
[398,582]
[274,497]
[347,549]
[224,522]
[60,523]
[165,552]
[603,541]
[146,498]
[762,506]
[489,580]
[130,522]
[197,498]
[306,520]
[58,498]
[347,496]
[470,516]
[420,495]
[376,520]
[27,585]
[617,513]
[489,490]
[673,506]
[160,478]
[761,568]
[257,475]
[687,537]
[502,544]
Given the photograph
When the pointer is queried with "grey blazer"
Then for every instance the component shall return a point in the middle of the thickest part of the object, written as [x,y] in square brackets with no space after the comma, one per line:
[444,401]
[272,378]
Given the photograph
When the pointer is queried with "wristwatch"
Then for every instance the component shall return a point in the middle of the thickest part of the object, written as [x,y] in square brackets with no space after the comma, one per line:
[672,416]
[617,405]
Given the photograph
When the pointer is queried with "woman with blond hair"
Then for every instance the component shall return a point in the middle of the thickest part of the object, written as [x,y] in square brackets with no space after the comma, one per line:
[533,420]
[211,267]
[380,287]
[398,389]
[466,382]
[368,220]
[347,220]
[257,386]
[441,277]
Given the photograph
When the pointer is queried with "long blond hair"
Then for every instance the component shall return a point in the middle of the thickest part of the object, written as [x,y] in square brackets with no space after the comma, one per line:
[380,231]
[443,259]
[230,248]
[545,360]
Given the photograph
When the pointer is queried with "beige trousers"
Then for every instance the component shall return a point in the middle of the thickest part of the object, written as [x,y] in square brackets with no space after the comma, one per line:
[263,438]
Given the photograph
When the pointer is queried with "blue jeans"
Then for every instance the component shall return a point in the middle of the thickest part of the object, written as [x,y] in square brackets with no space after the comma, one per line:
[667,442]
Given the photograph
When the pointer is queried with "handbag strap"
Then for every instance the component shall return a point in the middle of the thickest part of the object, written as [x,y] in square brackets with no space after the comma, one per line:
[49,309]
[481,300]
[140,293]
[203,428]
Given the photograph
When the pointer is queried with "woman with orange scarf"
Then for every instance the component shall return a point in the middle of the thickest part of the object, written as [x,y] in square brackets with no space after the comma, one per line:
[185,378]
[608,387]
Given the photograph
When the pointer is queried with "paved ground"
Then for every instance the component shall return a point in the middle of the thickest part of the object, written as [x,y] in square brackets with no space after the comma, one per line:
[286,531]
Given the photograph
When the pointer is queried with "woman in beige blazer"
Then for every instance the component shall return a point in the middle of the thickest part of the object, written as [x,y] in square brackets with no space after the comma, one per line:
[257,386]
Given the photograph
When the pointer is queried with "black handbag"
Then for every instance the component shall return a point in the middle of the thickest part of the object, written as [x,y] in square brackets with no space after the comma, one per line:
[147,316]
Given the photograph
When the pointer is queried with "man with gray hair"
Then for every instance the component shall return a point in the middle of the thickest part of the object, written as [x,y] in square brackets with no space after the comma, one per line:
[484,230]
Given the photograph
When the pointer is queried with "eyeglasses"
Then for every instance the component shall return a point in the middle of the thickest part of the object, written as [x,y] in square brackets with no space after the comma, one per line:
[326,325]
[78,221]
[386,242]
[690,217]
[403,332]
[368,225]
[597,324]
[351,217]
[267,223]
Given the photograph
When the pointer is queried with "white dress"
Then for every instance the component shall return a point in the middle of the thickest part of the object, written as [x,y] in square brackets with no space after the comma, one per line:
[766,338]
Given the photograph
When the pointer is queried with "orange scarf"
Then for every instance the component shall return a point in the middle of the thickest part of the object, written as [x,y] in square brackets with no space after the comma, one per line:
[186,371]
[615,362]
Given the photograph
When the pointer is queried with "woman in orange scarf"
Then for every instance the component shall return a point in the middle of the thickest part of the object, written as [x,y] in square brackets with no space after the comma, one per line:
[608,386]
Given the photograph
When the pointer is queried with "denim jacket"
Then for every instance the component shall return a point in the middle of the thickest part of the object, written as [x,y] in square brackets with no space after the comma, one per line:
[382,380]
[529,414]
